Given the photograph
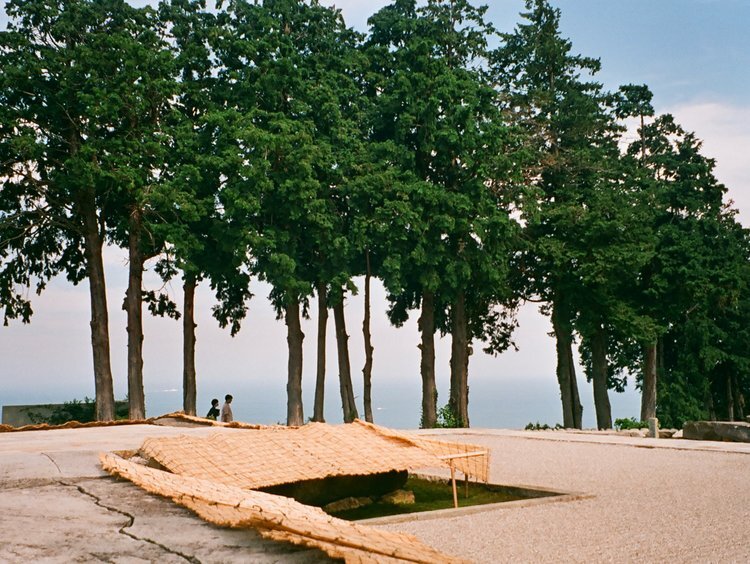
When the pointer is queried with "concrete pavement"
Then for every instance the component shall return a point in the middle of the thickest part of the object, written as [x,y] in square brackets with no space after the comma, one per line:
[674,500]
[57,505]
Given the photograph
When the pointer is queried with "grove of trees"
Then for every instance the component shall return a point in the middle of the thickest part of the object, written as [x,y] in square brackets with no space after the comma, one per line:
[469,171]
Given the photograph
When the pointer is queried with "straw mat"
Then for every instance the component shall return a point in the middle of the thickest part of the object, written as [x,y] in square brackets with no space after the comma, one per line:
[74,425]
[277,517]
[272,456]
[477,467]
[181,416]
[161,419]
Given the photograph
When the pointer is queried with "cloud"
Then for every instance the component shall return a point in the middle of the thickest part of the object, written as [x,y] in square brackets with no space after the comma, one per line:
[356,12]
[725,131]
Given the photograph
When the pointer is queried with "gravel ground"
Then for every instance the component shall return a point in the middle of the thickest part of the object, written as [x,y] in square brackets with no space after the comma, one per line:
[672,501]
[676,501]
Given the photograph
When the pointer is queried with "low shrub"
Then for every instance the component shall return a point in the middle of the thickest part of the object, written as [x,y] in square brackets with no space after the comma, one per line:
[446,419]
[542,427]
[625,424]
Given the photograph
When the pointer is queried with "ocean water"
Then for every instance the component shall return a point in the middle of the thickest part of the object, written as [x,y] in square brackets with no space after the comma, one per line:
[49,361]
[493,403]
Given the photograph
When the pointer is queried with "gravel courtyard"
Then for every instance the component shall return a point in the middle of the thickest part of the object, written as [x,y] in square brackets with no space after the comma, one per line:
[665,500]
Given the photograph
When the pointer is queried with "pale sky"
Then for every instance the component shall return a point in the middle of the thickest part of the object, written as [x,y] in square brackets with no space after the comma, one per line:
[695,57]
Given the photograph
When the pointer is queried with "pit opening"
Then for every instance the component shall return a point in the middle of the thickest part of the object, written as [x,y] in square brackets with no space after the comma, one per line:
[397,493]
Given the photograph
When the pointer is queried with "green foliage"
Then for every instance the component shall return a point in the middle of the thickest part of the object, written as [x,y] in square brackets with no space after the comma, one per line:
[623,424]
[694,287]
[200,170]
[542,427]
[287,77]
[447,419]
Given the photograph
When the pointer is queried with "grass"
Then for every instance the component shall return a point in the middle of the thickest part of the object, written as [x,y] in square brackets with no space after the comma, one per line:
[429,496]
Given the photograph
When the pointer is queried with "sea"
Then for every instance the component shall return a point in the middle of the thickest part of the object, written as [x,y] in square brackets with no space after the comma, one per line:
[492,403]
[49,361]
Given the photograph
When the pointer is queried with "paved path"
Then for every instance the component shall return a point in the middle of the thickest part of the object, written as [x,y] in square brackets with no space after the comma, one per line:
[673,501]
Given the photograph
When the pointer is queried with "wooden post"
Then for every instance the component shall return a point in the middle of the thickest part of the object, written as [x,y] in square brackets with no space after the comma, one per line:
[450,458]
[453,483]
[466,484]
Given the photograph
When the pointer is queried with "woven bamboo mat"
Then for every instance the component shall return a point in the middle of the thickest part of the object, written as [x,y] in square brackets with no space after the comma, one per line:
[477,467]
[74,425]
[277,517]
[279,455]
[177,415]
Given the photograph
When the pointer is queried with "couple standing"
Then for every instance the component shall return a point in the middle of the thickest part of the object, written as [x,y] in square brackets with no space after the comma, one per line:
[226,410]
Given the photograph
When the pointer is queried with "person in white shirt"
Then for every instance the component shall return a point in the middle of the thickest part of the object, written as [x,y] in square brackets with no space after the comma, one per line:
[226,410]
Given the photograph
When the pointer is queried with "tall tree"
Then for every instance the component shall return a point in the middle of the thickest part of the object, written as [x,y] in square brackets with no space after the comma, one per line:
[284,65]
[696,276]
[437,105]
[635,101]
[201,166]
[577,207]
[142,73]
[76,90]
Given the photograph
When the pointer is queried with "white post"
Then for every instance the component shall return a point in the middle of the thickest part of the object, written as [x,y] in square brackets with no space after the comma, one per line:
[653,427]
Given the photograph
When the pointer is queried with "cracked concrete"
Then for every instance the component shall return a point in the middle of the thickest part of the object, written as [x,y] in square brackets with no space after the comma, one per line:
[131,521]
[57,505]
[107,520]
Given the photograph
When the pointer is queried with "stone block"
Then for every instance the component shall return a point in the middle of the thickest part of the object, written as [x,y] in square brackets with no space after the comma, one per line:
[732,431]
[346,504]
[399,497]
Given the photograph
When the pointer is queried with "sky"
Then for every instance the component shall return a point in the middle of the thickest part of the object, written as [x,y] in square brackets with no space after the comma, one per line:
[695,57]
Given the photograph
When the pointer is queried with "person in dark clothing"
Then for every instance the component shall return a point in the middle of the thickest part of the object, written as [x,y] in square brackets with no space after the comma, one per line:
[213,413]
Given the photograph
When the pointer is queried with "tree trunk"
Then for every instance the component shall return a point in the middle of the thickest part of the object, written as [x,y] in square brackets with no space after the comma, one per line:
[427,363]
[133,305]
[648,388]
[188,346]
[345,373]
[103,387]
[459,394]
[294,338]
[740,405]
[320,377]
[577,407]
[566,376]
[709,402]
[367,370]
[730,397]
[660,368]
[599,370]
